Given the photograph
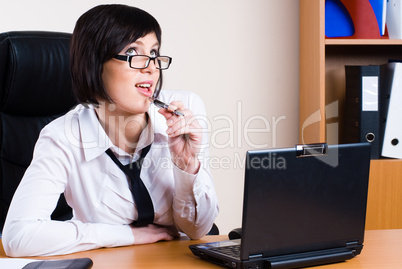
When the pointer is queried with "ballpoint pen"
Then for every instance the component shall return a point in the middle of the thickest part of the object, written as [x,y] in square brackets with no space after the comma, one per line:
[161,104]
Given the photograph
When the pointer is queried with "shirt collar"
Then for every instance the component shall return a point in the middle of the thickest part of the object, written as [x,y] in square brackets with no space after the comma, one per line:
[157,120]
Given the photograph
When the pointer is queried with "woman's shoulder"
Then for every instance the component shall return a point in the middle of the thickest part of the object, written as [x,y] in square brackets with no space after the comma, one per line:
[69,121]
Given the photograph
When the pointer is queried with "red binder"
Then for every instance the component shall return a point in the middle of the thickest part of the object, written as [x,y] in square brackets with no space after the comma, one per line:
[364,20]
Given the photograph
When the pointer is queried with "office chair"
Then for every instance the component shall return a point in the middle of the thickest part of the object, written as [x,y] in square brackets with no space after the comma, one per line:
[214,230]
[35,88]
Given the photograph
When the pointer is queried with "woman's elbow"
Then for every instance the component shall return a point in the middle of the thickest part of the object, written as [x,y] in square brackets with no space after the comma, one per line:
[11,248]
[11,251]
[14,239]
[197,232]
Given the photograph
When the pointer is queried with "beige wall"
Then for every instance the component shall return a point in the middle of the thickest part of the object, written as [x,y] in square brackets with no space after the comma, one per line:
[240,56]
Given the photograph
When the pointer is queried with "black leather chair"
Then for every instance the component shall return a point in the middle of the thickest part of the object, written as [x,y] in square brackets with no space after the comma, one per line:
[35,88]
[214,230]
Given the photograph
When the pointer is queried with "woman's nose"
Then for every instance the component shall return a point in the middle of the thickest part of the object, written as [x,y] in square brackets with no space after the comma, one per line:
[151,66]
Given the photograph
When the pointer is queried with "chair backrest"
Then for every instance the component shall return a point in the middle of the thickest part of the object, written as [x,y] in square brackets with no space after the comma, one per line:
[35,88]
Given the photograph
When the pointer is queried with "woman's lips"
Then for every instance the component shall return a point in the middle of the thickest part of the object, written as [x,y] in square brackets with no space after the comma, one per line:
[144,88]
[143,85]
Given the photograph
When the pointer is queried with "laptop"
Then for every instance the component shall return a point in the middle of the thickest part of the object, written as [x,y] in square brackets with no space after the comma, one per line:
[303,206]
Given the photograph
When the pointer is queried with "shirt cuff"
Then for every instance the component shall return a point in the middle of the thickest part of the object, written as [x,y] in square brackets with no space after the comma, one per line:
[185,183]
[115,236]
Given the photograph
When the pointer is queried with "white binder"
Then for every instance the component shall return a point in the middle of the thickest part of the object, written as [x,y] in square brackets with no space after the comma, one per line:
[392,144]
[394,19]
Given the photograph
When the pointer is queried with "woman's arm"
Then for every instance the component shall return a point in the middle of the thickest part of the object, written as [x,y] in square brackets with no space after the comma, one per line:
[29,231]
[195,205]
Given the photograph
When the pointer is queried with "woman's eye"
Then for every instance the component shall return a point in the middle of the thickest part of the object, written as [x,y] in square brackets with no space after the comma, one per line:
[131,52]
[154,53]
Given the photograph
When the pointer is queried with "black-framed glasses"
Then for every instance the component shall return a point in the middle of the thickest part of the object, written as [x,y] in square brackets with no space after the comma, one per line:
[142,61]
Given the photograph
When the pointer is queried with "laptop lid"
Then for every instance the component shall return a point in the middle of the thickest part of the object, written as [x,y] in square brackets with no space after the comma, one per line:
[304,199]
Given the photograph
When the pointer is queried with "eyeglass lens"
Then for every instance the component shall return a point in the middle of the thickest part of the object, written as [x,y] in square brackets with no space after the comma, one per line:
[142,61]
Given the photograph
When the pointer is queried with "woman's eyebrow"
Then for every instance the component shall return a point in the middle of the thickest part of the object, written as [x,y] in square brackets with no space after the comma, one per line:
[139,42]
[136,43]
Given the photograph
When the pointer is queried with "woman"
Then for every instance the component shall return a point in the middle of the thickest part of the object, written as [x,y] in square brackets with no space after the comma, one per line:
[116,68]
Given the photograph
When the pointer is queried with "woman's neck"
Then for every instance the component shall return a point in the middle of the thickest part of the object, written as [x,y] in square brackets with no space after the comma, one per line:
[123,130]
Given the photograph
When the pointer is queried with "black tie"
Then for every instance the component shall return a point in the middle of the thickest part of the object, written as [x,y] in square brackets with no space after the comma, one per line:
[140,193]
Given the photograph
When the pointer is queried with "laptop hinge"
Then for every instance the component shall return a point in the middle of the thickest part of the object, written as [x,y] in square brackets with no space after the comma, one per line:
[256,256]
[309,259]
[311,150]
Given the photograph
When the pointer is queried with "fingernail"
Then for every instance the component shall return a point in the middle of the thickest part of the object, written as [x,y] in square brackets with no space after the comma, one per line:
[172,107]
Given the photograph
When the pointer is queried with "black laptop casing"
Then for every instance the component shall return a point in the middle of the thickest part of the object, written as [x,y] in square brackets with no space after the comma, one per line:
[302,207]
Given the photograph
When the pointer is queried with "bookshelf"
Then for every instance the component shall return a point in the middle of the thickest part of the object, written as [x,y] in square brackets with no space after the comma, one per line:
[322,94]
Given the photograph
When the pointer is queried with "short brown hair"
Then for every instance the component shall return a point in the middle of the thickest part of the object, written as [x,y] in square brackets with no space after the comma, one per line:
[99,35]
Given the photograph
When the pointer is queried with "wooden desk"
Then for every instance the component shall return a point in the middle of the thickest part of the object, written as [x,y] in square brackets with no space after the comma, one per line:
[382,249]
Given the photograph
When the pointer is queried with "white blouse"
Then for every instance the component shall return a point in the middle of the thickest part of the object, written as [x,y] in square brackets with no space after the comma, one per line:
[70,157]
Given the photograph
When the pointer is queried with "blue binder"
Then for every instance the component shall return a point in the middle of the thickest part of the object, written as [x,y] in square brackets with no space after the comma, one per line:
[379,8]
[338,22]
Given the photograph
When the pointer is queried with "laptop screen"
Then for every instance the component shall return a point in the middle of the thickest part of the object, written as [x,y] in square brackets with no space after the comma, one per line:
[304,202]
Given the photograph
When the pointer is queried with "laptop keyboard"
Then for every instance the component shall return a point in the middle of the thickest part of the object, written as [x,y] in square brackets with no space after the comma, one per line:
[233,251]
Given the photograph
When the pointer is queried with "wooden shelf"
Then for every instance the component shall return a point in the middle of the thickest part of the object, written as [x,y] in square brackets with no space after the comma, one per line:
[384,204]
[321,102]
[331,41]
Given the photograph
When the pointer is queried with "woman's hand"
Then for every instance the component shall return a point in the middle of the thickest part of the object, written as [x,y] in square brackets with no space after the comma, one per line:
[185,137]
[153,233]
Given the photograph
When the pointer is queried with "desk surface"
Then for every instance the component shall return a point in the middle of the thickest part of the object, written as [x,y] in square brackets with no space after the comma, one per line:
[382,249]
